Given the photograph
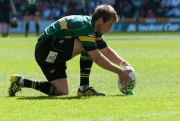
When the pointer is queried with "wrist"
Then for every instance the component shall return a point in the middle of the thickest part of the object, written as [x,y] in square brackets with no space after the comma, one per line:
[123,63]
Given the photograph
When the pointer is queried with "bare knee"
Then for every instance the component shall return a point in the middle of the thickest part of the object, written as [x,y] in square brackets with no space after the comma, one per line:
[61,85]
[63,93]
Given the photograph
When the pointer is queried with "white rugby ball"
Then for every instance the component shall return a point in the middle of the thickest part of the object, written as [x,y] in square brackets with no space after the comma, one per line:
[127,89]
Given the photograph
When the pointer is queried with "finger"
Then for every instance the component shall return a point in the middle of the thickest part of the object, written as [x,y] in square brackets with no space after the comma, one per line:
[128,83]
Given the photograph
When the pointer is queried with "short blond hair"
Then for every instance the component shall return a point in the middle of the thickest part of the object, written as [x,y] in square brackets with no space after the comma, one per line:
[107,12]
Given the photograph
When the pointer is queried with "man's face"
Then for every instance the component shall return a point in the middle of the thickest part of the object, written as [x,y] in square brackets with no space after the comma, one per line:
[105,27]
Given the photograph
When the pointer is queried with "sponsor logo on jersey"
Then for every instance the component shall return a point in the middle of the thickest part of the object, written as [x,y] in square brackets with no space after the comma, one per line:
[51,57]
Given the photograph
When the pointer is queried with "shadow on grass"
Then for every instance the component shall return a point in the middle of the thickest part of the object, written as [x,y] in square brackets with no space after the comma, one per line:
[119,95]
[49,97]
[64,97]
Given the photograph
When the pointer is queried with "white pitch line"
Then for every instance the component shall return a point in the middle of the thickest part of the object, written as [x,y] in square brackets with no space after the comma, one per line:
[111,118]
[144,38]
[156,114]
[140,116]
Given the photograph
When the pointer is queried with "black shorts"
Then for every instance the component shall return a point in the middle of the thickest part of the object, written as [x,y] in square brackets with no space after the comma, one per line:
[32,11]
[5,17]
[52,54]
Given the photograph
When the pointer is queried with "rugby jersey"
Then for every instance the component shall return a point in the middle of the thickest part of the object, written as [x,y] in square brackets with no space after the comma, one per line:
[76,26]
[31,4]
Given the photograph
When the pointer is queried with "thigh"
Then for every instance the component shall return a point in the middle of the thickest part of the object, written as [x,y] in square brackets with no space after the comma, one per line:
[7,18]
[1,17]
[4,17]
[61,86]
[36,19]
[28,17]
[56,75]
[53,71]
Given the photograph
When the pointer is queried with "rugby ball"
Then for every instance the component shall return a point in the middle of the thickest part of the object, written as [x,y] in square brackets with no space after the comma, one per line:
[128,89]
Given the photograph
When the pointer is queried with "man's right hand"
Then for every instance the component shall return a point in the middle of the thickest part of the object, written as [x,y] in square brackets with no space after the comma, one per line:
[124,77]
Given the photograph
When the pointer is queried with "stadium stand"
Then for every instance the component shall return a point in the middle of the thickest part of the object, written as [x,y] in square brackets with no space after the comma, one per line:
[54,9]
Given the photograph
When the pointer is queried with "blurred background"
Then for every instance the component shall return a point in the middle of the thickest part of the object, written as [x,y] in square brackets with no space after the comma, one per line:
[136,15]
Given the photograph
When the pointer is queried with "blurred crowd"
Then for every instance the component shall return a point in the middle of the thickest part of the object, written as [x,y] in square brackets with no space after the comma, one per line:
[55,9]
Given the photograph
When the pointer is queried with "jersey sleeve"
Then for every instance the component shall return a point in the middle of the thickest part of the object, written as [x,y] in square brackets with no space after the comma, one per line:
[88,41]
[101,43]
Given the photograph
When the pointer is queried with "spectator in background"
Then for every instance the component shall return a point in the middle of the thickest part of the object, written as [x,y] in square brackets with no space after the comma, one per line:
[5,9]
[137,5]
[50,10]
[47,11]
[144,8]
[109,2]
[162,10]
[32,11]
[167,3]
[150,14]
[175,3]
[119,9]
[154,5]
[142,14]
[57,11]
[65,8]
[92,5]
[128,10]
[174,12]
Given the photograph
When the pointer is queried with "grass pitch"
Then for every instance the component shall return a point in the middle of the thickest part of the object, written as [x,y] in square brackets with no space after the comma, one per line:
[154,56]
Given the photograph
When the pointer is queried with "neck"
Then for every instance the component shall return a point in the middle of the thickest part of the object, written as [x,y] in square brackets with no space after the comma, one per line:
[95,26]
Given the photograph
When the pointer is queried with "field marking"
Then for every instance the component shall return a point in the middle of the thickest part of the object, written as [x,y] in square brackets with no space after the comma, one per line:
[144,38]
[156,114]
[111,118]
[142,116]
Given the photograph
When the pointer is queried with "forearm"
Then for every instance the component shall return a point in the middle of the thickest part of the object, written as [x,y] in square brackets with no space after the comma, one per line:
[106,64]
[114,57]
[103,62]
[13,6]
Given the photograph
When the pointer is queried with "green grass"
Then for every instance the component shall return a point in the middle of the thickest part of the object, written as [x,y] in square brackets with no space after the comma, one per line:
[154,56]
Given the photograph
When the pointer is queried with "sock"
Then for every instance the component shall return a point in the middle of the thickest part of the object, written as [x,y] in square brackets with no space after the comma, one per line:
[37,28]
[3,34]
[7,33]
[42,86]
[21,82]
[85,70]
[82,88]
[27,27]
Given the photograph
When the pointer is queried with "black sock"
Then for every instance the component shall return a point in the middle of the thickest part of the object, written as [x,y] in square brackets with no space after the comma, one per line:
[42,86]
[27,28]
[3,34]
[37,28]
[85,68]
[6,34]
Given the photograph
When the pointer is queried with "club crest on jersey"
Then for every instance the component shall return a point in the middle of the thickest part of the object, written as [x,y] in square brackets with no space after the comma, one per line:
[94,34]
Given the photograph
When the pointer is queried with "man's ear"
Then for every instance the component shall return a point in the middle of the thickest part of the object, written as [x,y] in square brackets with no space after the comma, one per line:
[100,20]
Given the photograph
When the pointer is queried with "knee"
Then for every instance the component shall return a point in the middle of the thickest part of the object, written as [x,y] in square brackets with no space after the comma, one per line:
[64,92]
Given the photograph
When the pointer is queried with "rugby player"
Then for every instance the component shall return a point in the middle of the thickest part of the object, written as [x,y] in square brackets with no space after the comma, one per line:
[32,12]
[5,9]
[63,40]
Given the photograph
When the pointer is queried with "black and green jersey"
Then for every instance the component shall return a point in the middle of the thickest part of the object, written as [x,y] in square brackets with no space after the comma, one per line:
[76,26]
[31,4]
